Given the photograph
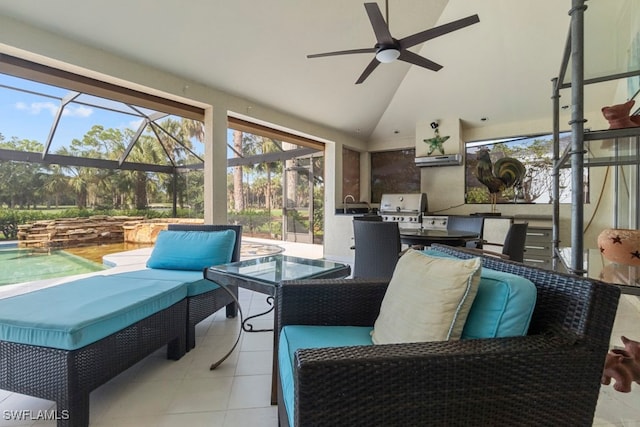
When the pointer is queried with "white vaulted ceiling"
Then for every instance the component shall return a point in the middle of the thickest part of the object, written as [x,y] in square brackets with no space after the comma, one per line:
[499,68]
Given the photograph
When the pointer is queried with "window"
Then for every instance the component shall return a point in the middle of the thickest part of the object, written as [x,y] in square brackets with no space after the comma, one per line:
[351,173]
[275,183]
[94,144]
[394,172]
[535,152]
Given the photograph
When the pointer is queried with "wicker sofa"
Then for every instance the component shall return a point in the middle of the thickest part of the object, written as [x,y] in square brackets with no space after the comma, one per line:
[549,377]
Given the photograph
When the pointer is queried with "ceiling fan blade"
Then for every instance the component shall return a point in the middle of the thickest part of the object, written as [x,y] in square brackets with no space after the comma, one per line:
[415,59]
[380,28]
[434,32]
[372,66]
[343,52]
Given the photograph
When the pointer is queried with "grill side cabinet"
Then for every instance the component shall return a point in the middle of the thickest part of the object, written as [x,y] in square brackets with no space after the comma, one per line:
[538,247]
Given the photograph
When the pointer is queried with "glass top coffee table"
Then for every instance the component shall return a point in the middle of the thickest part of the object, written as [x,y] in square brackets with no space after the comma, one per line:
[264,275]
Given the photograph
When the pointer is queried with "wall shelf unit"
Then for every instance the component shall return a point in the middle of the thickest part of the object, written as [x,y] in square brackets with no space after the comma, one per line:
[618,148]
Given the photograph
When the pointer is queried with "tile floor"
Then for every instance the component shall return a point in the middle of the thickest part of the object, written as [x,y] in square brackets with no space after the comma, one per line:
[160,392]
[614,408]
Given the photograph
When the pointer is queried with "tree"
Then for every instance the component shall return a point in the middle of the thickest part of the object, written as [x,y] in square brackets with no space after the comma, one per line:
[175,139]
[20,182]
[238,191]
[89,184]
[269,146]
[56,183]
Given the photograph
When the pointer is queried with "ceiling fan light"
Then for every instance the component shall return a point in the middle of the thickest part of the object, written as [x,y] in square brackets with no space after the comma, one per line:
[387,55]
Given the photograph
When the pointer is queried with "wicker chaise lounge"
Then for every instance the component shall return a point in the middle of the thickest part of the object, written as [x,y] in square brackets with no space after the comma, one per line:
[203,296]
[61,343]
[202,305]
[549,377]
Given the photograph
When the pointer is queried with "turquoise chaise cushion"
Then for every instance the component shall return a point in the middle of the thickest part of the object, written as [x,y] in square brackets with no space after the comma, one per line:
[194,280]
[191,250]
[294,337]
[74,314]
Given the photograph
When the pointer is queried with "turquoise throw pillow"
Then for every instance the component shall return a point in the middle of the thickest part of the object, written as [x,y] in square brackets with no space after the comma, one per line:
[502,307]
[191,250]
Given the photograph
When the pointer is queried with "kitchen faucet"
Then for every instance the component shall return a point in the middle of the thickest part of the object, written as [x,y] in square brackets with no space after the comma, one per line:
[344,202]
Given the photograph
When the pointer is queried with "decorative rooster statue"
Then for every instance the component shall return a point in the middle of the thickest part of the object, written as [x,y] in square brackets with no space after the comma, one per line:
[506,173]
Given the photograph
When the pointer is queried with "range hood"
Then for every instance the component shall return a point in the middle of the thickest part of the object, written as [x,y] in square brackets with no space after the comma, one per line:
[444,160]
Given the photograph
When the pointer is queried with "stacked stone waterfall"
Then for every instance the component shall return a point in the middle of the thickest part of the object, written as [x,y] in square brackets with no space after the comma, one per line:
[97,229]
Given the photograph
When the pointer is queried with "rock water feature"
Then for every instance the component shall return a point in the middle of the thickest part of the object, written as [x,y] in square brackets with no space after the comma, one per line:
[94,230]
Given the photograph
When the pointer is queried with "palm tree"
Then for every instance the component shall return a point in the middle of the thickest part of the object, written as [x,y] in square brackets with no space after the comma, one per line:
[56,183]
[89,184]
[175,138]
[238,191]
[269,146]
[146,150]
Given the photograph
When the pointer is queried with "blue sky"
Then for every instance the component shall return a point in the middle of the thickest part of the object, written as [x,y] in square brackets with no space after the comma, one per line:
[27,115]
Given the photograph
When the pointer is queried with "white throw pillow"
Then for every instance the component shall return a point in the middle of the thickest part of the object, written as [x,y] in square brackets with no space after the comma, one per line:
[428,299]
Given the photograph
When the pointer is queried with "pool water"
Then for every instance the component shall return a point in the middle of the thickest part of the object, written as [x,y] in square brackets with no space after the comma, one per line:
[18,265]
[96,252]
[25,265]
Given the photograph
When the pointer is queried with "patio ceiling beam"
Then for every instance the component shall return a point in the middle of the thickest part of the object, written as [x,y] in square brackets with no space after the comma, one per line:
[56,120]
[57,77]
[270,157]
[237,153]
[164,148]
[133,141]
[276,134]
[57,159]
[190,167]
[170,135]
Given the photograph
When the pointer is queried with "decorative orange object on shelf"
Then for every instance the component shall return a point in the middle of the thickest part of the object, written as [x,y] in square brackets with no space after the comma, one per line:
[619,245]
[619,117]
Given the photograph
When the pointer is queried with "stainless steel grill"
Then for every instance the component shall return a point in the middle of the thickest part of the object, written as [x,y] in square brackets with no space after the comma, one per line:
[435,222]
[405,209]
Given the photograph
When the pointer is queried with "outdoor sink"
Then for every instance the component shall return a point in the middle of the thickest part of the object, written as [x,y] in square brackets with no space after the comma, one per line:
[352,210]
[356,210]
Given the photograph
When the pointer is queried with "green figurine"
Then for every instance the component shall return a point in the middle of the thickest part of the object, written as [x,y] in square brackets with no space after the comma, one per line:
[436,142]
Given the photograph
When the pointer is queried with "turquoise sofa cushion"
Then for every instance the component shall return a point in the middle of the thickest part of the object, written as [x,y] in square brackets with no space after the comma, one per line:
[503,305]
[294,337]
[191,250]
[194,280]
[74,314]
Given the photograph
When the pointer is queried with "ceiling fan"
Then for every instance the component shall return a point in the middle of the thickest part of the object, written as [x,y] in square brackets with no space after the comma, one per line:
[388,49]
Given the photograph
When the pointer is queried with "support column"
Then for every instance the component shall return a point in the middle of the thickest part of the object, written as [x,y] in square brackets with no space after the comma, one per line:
[577,131]
[215,166]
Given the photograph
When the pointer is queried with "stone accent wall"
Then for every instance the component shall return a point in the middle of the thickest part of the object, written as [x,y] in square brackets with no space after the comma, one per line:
[146,231]
[97,229]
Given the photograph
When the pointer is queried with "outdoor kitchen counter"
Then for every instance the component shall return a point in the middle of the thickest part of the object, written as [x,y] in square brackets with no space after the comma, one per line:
[426,237]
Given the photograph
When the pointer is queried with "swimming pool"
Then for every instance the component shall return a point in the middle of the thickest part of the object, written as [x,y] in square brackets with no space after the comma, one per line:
[19,265]
[24,265]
